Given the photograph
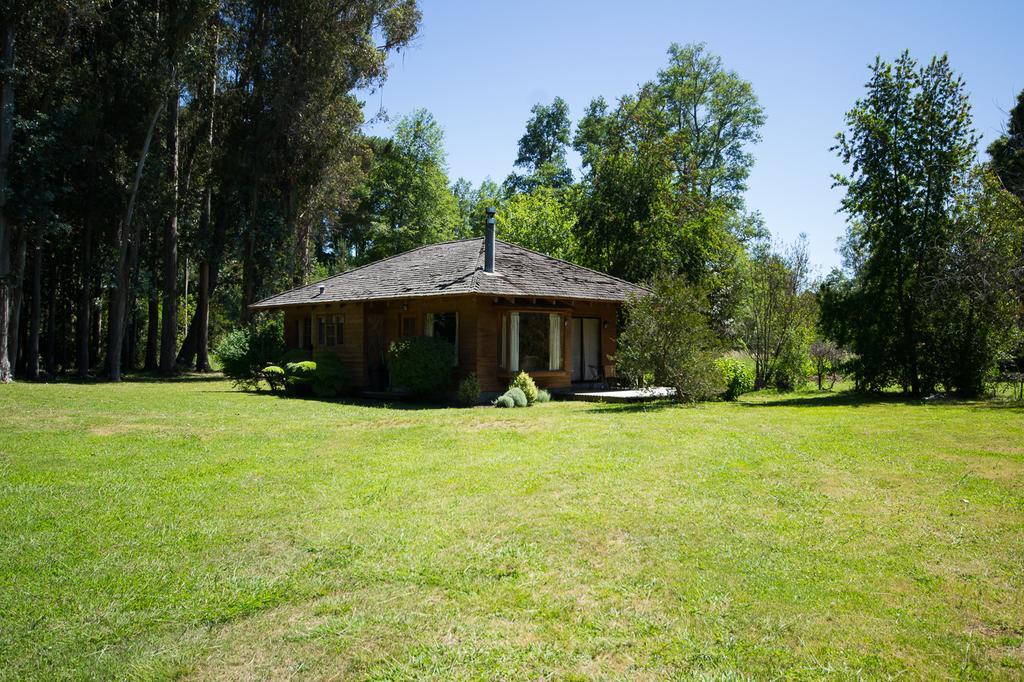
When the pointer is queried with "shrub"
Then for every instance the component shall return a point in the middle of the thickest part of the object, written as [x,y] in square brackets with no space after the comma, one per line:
[244,352]
[504,401]
[469,390]
[524,382]
[275,377]
[543,396]
[667,339]
[738,377]
[421,365]
[517,396]
[293,355]
[329,378]
[299,375]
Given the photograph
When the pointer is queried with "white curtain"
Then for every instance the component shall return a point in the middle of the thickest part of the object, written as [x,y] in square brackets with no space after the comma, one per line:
[513,342]
[554,341]
[428,324]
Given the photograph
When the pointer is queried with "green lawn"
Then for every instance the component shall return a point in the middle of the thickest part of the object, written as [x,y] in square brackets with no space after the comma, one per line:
[184,529]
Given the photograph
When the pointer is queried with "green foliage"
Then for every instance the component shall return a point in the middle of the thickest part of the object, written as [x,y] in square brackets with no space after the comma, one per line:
[1007,152]
[275,377]
[543,396]
[664,173]
[245,351]
[667,339]
[293,355]
[526,384]
[780,313]
[504,401]
[421,365]
[737,376]
[543,220]
[406,201]
[542,149]
[909,142]
[329,378]
[472,204]
[469,390]
[518,396]
[299,376]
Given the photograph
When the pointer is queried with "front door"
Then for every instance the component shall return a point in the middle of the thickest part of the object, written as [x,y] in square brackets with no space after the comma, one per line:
[376,371]
[586,349]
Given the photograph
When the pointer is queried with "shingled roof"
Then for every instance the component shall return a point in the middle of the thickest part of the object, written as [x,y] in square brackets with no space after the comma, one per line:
[457,267]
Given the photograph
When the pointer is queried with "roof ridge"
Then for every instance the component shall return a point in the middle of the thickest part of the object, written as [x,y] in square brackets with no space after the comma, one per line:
[364,265]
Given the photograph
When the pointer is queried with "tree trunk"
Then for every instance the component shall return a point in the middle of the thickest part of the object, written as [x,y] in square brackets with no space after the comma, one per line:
[6,131]
[152,330]
[17,294]
[169,329]
[51,319]
[203,317]
[84,303]
[128,255]
[35,311]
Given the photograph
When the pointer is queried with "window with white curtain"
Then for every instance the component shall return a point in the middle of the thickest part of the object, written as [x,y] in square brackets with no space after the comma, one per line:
[534,341]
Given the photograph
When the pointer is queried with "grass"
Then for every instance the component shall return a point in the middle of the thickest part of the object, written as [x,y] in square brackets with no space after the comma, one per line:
[182,529]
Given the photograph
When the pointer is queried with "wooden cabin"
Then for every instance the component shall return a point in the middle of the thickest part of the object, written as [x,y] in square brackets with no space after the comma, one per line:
[505,308]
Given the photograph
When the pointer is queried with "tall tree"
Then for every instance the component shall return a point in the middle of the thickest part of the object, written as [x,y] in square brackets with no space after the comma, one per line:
[1007,152]
[409,198]
[7,36]
[908,142]
[542,149]
[665,170]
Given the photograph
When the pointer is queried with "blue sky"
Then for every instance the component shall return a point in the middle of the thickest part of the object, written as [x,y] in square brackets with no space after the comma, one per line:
[480,66]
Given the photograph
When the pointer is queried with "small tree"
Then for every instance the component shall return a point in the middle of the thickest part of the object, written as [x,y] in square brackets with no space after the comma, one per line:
[827,358]
[667,339]
[779,312]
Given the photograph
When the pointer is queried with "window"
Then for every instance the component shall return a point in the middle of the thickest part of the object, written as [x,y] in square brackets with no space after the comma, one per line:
[408,326]
[443,326]
[533,340]
[306,333]
[330,330]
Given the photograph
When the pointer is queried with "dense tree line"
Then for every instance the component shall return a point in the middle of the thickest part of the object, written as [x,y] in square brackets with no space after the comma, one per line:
[151,148]
[167,163]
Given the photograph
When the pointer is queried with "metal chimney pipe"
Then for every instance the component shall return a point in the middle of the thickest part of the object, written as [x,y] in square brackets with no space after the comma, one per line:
[489,242]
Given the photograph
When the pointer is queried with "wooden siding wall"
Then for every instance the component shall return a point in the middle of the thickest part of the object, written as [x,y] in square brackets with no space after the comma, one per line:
[479,332]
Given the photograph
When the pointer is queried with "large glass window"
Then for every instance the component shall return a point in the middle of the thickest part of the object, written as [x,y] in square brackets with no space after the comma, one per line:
[534,341]
[330,330]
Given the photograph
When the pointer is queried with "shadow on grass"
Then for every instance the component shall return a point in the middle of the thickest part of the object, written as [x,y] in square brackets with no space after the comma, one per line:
[855,399]
[838,399]
[186,377]
[355,401]
[627,408]
[133,378]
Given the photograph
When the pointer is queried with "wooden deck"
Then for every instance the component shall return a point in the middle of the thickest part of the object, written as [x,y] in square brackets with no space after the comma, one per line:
[617,396]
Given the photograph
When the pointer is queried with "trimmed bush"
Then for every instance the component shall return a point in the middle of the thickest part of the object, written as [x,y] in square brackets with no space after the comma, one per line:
[299,375]
[524,382]
[469,390]
[504,401]
[275,377]
[421,365]
[518,397]
[543,396]
[293,355]
[329,378]
[738,378]
[244,352]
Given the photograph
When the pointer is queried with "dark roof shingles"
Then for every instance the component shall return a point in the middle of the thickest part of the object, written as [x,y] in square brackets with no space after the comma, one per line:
[452,268]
